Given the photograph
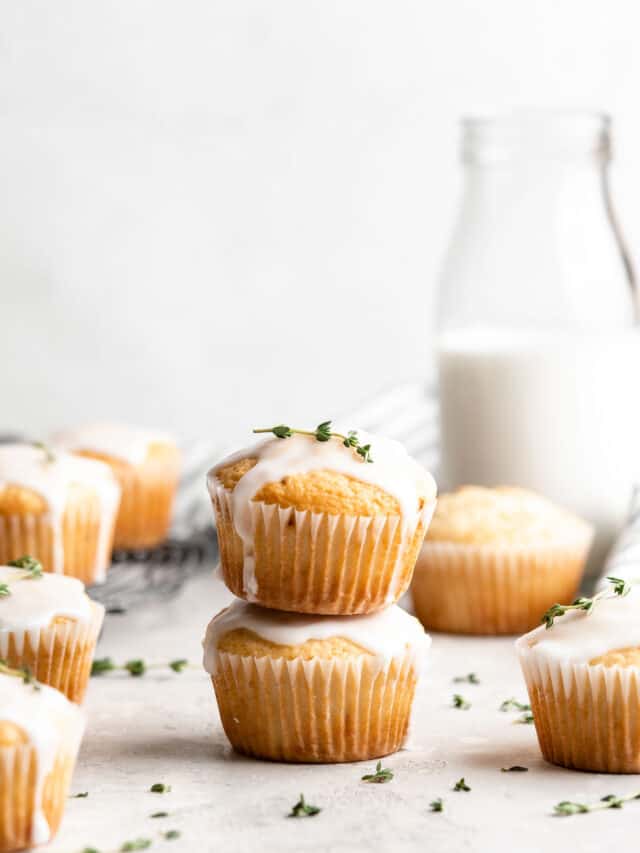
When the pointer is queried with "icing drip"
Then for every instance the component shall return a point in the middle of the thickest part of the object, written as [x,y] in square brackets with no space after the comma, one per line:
[393,470]
[50,722]
[27,466]
[386,634]
[579,636]
[130,444]
[34,603]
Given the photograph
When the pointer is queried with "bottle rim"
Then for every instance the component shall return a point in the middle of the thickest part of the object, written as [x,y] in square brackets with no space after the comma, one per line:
[535,133]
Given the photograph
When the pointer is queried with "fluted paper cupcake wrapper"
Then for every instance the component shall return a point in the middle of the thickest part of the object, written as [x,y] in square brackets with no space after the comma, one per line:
[77,544]
[30,813]
[586,717]
[323,711]
[59,655]
[311,562]
[144,515]
[486,589]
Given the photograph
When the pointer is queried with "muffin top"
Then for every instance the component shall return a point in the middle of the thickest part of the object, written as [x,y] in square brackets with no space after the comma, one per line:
[248,629]
[608,634]
[114,441]
[326,476]
[30,598]
[35,714]
[503,515]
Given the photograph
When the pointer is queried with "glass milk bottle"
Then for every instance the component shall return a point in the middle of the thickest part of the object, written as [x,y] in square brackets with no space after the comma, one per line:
[538,347]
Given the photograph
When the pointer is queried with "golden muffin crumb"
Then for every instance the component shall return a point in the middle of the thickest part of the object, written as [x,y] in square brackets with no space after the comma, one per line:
[318,491]
[248,644]
[11,734]
[629,656]
[503,515]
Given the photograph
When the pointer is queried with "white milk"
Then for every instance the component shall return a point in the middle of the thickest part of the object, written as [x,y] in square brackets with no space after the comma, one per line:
[555,412]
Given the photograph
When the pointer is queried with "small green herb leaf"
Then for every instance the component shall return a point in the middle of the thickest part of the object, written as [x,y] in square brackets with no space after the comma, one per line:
[29,565]
[4,590]
[514,705]
[460,702]
[80,796]
[382,774]
[160,814]
[136,844]
[101,665]
[516,768]
[178,665]
[303,809]
[461,785]
[471,678]
[171,834]
[136,668]
[160,788]
[437,805]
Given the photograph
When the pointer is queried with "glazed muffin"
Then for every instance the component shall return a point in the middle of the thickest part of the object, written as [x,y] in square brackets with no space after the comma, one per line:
[583,678]
[49,626]
[59,508]
[314,689]
[147,466]
[40,734]
[310,526]
[495,559]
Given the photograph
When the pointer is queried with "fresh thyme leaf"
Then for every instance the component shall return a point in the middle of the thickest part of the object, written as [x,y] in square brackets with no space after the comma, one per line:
[160,788]
[171,834]
[4,590]
[526,718]
[178,665]
[514,705]
[101,665]
[136,668]
[437,805]
[461,785]
[303,809]
[619,588]
[160,814]
[28,564]
[516,768]
[382,774]
[460,702]
[80,796]
[136,844]
[471,678]
[89,850]
[323,432]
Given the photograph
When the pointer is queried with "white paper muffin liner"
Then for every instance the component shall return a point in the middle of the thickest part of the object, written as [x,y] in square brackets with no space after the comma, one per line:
[311,562]
[494,589]
[587,717]
[324,711]
[59,655]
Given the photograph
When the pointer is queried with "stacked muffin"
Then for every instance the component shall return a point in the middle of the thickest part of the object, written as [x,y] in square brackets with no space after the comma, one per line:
[319,534]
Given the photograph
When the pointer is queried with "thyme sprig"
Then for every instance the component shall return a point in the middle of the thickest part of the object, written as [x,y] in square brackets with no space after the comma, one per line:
[304,809]
[611,801]
[514,705]
[31,567]
[619,588]
[382,774]
[470,678]
[24,673]
[323,432]
[136,667]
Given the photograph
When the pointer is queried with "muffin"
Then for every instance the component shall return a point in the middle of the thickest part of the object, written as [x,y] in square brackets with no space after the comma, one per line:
[311,526]
[40,734]
[583,678]
[314,689]
[59,508]
[495,559]
[49,626]
[147,466]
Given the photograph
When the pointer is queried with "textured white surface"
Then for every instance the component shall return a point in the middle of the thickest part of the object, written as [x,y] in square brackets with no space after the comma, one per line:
[165,728]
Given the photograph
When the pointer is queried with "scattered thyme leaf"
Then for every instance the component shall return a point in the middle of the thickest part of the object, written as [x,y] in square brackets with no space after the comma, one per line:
[461,785]
[437,805]
[382,774]
[89,850]
[516,768]
[619,587]
[101,665]
[160,814]
[178,665]
[303,809]
[171,834]
[514,705]
[30,565]
[136,668]
[323,432]
[460,702]
[160,788]
[80,796]
[4,590]
[471,678]
[526,718]
[136,844]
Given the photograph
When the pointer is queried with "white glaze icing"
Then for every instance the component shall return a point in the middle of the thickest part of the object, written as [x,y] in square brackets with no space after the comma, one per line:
[121,441]
[27,466]
[392,470]
[34,602]
[386,634]
[50,722]
[579,636]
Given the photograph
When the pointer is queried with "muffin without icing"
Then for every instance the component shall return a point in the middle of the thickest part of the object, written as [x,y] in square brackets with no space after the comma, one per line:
[146,465]
[49,626]
[314,689]
[61,509]
[40,734]
[309,527]
[583,678]
[495,559]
